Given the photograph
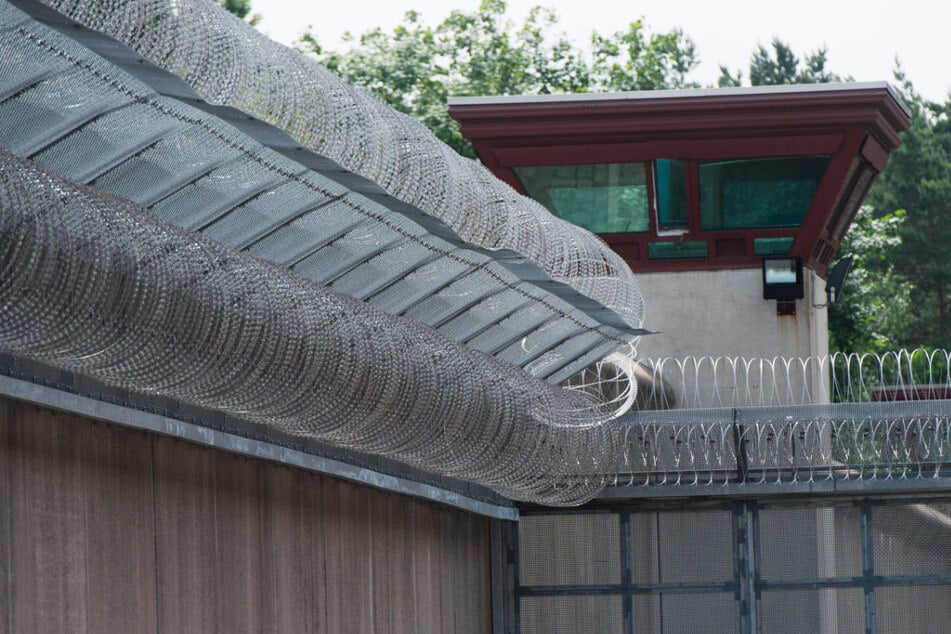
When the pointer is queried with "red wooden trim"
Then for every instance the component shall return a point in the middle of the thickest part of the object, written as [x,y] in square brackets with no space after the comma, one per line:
[825,200]
[874,153]
[693,200]
[631,152]
[507,175]
[845,122]
[925,392]
[725,113]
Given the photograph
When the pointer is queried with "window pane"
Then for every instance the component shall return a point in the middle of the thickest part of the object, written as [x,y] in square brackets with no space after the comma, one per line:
[676,250]
[773,192]
[604,198]
[772,246]
[671,194]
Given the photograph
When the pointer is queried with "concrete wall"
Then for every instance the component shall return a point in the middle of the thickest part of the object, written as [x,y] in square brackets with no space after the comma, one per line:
[723,313]
[106,529]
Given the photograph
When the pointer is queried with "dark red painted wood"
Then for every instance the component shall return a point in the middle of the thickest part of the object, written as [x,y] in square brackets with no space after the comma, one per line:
[856,124]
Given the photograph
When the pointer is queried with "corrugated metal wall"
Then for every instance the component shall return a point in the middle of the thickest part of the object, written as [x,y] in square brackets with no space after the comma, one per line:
[106,529]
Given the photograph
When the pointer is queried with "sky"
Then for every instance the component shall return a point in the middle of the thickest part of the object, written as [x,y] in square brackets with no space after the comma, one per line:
[862,37]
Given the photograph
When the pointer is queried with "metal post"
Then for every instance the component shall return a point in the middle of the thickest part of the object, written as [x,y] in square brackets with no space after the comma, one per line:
[627,577]
[745,566]
[868,568]
[503,539]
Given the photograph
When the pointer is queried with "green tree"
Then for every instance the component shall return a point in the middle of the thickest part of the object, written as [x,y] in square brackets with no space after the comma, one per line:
[780,66]
[415,68]
[918,179]
[636,59]
[875,304]
[242,9]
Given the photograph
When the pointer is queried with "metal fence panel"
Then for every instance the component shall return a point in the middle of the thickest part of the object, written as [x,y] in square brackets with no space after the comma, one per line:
[746,565]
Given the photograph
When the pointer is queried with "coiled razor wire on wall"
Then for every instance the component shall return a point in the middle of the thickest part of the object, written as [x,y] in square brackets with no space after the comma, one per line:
[229,62]
[92,284]
[843,416]
[74,112]
[784,445]
[717,382]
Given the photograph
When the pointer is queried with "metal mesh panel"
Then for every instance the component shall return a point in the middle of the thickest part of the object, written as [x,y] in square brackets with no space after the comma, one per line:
[528,317]
[912,539]
[683,613]
[843,556]
[575,549]
[571,615]
[907,609]
[839,610]
[21,68]
[165,167]
[810,543]
[216,199]
[375,273]
[469,326]
[102,144]
[682,547]
[32,120]
[417,285]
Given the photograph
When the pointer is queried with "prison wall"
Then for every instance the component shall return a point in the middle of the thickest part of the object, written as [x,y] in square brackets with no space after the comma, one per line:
[108,529]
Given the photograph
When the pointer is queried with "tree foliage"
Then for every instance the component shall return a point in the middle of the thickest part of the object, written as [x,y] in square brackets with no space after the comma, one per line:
[779,65]
[416,67]
[242,9]
[875,305]
[918,180]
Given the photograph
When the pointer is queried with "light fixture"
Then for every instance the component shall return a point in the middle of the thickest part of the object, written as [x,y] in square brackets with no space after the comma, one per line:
[837,278]
[782,278]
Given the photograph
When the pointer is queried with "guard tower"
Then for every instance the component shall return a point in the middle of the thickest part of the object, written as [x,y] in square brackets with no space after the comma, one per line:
[695,188]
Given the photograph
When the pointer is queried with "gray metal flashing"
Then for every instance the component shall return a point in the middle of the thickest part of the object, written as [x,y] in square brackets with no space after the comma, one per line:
[685,93]
[54,398]
[782,413]
[834,487]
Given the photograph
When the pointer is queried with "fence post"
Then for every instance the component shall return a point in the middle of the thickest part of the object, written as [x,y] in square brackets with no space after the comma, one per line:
[503,554]
[745,565]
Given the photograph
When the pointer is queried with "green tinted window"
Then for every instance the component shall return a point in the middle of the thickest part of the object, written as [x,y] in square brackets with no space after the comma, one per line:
[604,198]
[676,250]
[748,193]
[671,194]
[772,246]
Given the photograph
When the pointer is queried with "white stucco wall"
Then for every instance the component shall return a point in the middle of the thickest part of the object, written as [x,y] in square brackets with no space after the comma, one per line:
[723,313]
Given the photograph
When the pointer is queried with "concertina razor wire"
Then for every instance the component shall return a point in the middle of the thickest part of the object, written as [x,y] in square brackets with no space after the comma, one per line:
[229,62]
[92,284]
[86,119]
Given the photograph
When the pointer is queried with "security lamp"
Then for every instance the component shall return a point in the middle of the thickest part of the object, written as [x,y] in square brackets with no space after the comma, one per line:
[837,278]
[782,278]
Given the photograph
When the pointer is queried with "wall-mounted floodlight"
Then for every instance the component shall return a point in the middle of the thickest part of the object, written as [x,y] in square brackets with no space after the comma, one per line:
[782,278]
[837,278]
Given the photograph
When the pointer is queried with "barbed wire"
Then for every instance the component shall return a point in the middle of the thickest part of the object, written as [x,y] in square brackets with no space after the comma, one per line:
[711,382]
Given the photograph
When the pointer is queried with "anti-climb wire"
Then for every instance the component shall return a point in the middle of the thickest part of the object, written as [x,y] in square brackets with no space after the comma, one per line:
[229,62]
[92,284]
